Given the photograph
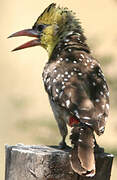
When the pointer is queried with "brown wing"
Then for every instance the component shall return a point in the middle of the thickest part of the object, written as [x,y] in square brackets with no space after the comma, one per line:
[79,86]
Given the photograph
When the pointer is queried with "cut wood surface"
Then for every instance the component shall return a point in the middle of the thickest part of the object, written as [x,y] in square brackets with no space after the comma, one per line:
[49,163]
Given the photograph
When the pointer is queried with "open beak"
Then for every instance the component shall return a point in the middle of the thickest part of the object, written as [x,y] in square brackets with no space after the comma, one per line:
[30,33]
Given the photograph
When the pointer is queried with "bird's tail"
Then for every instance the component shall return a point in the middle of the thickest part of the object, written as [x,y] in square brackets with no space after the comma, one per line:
[82,155]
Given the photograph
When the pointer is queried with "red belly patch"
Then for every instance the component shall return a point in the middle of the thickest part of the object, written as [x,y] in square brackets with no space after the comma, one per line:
[73,120]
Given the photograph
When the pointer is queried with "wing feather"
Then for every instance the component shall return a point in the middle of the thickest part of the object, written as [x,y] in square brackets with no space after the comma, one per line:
[81,89]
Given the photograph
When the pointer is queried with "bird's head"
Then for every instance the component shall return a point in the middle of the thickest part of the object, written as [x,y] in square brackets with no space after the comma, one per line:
[53,24]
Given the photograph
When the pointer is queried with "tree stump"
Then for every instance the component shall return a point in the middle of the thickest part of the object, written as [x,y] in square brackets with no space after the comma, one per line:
[49,163]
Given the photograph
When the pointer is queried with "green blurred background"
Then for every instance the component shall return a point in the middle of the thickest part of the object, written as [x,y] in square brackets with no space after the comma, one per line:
[25,114]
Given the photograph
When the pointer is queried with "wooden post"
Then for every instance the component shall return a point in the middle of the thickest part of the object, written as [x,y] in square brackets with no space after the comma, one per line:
[49,163]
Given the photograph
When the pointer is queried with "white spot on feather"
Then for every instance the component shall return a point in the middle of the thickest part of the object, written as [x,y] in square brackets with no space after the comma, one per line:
[94,84]
[72,73]
[48,79]
[103,106]
[87,60]
[57,90]
[58,61]
[80,59]
[79,140]
[99,115]
[90,60]
[66,40]
[82,55]
[85,64]
[55,70]
[68,103]
[54,80]
[101,128]
[66,72]
[88,123]
[49,87]
[65,79]
[61,93]
[86,117]
[107,93]
[104,86]
[97,100]
[107,106]
[99,74]
[75,69]
[58,76]
[63,87]
[70,33]
[66,59]
[74,62]
[91,66]
[77,114]
[61,59]
[63,104]
[80,74]
[69,76]
[69,50]
[101,93]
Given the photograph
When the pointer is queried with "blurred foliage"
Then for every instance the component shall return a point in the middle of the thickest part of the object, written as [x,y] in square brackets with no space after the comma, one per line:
[112,82]
[106,60]
[94,42]
[19,101]
[44,129]
[27,124]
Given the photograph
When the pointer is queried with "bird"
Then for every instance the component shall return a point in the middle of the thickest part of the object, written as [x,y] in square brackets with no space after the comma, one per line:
[74,81]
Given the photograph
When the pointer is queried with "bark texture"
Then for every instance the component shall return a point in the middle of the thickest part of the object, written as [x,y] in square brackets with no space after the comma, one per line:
[49,163]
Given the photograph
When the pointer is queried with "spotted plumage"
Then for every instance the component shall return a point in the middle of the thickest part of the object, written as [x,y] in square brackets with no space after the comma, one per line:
[77,85]
[77,90]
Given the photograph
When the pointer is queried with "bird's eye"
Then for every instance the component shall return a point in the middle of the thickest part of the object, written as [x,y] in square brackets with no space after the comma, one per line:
[40,27]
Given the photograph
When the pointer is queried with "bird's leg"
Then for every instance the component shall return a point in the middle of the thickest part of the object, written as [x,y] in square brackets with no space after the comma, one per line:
[59,116]
[62,144]
[63,131]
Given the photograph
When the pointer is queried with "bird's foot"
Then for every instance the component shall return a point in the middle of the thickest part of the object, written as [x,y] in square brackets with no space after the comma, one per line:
[63,145]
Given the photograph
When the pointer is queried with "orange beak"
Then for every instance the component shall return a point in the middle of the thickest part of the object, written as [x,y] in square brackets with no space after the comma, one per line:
[30,33]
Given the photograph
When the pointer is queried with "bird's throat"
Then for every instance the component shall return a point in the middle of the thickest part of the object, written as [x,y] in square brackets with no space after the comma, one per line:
[50,47]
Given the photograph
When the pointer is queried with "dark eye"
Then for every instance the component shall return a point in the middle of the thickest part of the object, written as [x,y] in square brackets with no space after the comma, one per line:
[40,27]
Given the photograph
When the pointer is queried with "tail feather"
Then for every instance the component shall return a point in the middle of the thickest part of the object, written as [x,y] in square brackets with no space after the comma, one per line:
[82,155]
